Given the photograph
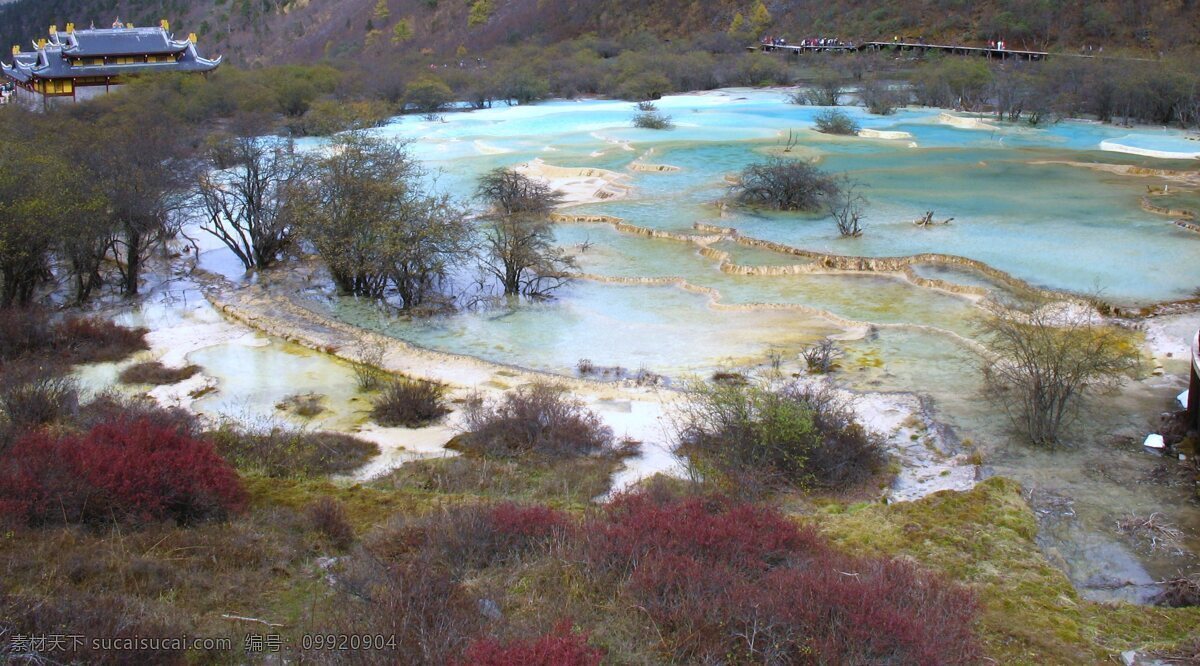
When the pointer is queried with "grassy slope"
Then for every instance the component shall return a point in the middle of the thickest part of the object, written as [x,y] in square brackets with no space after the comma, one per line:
[303,30]
[264,564]
[985,538]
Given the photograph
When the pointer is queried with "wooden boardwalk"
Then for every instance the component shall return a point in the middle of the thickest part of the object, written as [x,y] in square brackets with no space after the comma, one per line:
[920,49]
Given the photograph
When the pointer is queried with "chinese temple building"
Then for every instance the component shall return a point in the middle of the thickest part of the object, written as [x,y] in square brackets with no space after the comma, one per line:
[78,64]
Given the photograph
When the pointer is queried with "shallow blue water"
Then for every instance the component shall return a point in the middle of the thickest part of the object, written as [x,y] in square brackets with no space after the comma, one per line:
[1056,226]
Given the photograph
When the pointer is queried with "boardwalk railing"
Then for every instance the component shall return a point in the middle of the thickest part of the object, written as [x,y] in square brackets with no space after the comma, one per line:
[920,48]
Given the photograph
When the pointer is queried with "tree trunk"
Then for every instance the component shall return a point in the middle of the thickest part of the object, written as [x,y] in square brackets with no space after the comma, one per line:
[512,280]
[133,261]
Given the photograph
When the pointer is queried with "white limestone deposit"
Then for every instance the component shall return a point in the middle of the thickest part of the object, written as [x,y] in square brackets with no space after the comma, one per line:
[889,135]
[578,185]
[965,122]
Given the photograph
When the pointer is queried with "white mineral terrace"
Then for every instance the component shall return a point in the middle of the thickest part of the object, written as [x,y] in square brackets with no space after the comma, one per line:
[672,282]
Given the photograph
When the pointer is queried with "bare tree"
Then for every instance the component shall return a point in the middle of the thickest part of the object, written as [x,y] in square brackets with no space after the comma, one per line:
[510,193]
[428,239]
[792,141]
[1042,363]
[368,361]
[827,90]
[846,205]
[361,182]
[137,156]
[519,251]
[368,216]
[518,241]
[248,197]
[879,98]
[926,220]
[821,358]
[49,208]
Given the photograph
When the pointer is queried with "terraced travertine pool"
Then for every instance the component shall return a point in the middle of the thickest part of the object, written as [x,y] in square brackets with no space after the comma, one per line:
[1024,208]
[1033,209]
[1030,209]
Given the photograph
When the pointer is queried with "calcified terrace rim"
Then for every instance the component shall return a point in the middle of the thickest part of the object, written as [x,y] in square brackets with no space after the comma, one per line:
[821,263]
[285,316]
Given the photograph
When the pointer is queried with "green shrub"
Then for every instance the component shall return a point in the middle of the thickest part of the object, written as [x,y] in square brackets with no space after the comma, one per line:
[833,121]
[649,117]
[428,94]
[753,438]
[328,116]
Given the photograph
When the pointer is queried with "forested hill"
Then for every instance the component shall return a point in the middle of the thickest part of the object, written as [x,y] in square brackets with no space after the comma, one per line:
[253,31]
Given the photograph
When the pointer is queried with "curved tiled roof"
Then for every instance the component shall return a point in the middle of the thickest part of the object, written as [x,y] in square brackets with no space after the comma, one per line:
[51,61]
[118,42]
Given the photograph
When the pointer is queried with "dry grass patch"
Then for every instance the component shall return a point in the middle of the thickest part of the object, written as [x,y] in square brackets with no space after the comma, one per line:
[279,451]
[560,481]
[304,405]
[409,403]
[155,373]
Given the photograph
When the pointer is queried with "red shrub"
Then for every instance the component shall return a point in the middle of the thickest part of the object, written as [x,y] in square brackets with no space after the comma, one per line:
[691,602]
[118,470]
[713,530]
[729,582]
[860,611]
[89,340]
[722,582]
[40,481]
[529,522]
[561,647]
[31,332]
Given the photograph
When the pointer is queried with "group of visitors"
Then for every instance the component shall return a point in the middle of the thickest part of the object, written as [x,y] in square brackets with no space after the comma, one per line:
[826,42]
[770,41]
[6,92]
[817,42]
[462,64]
